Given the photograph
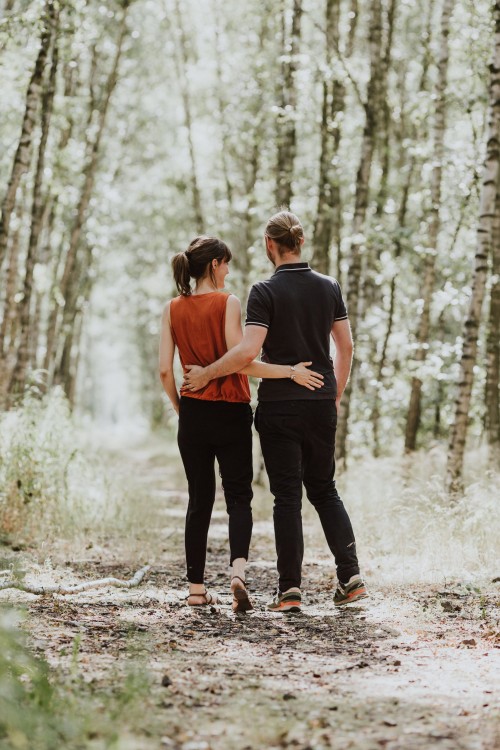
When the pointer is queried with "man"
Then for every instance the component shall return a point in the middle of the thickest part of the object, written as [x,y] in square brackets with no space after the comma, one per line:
[291,317]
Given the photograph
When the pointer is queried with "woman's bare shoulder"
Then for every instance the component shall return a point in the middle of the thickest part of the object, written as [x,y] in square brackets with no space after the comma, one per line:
[233,302]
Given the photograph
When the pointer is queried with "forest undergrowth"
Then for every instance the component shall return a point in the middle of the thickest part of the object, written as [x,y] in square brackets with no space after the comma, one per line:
[413,667]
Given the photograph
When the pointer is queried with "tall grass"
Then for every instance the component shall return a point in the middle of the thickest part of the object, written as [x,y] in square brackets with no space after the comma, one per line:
[409,529]
[51,483]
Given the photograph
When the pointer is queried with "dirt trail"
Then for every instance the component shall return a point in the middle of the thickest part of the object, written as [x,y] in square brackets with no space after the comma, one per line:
[413,667]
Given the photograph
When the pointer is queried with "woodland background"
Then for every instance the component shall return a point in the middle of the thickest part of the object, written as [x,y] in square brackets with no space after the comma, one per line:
[128,127]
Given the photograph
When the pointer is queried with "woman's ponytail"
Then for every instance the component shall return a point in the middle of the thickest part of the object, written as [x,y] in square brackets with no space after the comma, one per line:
[196,262]
[182,276]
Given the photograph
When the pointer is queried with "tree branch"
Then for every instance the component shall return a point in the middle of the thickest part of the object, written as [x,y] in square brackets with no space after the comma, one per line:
[77,588]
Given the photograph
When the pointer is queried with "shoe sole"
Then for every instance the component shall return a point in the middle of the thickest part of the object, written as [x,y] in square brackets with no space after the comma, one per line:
[361,594]
[243,603]
[286,607]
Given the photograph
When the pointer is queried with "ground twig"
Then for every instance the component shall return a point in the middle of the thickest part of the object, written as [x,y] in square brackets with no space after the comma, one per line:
[77,588]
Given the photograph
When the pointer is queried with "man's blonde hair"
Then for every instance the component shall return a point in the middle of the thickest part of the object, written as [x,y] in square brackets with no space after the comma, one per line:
[286,230]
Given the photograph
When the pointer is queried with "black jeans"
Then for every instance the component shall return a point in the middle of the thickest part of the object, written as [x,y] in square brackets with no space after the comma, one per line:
[298,443]
[210,430]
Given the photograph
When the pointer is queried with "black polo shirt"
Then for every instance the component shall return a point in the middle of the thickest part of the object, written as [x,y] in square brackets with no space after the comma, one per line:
[298,306]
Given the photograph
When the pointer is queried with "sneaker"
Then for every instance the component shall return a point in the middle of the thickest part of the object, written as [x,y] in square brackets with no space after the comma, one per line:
[290,601]
[351,591]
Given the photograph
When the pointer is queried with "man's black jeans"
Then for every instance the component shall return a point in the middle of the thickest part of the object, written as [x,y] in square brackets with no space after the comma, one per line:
[298,443]
[210,430]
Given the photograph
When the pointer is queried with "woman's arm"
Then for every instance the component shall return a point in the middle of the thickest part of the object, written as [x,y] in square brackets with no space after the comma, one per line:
[234,335]
[167,351]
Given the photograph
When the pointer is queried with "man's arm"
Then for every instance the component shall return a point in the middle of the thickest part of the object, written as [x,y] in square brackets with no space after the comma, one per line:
[344,347]
[234,360]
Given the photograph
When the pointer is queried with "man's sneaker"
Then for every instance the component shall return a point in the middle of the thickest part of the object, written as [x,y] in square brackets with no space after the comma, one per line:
[290,601]
[351,591]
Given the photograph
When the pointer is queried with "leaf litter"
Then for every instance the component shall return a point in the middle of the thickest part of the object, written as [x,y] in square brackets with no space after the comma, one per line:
[413,667]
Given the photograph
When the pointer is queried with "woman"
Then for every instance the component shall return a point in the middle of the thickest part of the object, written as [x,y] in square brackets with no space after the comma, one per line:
[215,422]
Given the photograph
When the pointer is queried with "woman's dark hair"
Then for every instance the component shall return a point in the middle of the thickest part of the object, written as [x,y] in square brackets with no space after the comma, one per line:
[286,230]
[196,262]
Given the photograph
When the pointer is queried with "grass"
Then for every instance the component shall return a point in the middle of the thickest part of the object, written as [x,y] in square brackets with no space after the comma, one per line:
[408,529]
[53,483]
[41,710]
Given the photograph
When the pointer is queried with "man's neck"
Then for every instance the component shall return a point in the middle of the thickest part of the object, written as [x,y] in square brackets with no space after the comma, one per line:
[287,258]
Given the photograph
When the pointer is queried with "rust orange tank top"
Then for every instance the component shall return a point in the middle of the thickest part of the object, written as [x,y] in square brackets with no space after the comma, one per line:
[198,329]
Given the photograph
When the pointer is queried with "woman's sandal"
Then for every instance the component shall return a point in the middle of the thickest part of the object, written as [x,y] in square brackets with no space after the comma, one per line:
[241,602]
[208,599]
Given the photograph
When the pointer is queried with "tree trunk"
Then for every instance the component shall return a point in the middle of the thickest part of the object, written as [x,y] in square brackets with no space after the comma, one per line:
[408,133]
[492,387]
[328,222]
[23,153]
[360,206]
[44,261]
[252,165]
[224,125]
[490,181]
[9,316]
[286,136]
[414,409]
[384,145]
[70,280]
[353,23]
[375,415]
[55,305]
[37,211]
[181,60]
[71,378]
[66,372]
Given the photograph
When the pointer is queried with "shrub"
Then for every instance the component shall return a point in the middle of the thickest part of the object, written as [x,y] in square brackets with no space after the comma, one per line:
[49,483]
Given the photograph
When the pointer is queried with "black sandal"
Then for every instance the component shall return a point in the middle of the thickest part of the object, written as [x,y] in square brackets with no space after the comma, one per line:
[241,602]
[209,599]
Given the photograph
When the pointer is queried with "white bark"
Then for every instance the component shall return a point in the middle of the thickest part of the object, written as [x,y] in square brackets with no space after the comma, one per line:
[468,359]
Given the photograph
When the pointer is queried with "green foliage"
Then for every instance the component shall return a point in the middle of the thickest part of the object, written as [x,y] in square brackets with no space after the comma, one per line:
[50,482]
[27,718]
[37,712]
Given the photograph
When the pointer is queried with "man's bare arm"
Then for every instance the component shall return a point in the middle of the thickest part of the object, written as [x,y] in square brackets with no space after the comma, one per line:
[344,347]
[234,360]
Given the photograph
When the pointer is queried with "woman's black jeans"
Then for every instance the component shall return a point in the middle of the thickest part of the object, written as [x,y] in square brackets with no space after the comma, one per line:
[298,444]
[210,430]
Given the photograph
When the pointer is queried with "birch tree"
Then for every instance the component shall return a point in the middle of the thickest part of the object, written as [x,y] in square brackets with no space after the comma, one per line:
[371,108]
[470,335]
[181,61]
[328,223]
[286,136]
[492,386]
[37,212]
[439,130]
[76,267]
[22,155]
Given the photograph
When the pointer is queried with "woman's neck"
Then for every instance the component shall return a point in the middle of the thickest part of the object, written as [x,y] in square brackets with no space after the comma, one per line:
[205,287]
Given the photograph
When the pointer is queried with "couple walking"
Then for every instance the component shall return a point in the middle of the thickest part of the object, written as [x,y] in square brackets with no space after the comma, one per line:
[291,317]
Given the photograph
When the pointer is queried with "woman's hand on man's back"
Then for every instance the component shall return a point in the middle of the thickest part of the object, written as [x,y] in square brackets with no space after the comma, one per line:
[310,379]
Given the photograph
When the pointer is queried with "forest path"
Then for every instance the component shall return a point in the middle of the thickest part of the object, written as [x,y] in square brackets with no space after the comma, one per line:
[411,667]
